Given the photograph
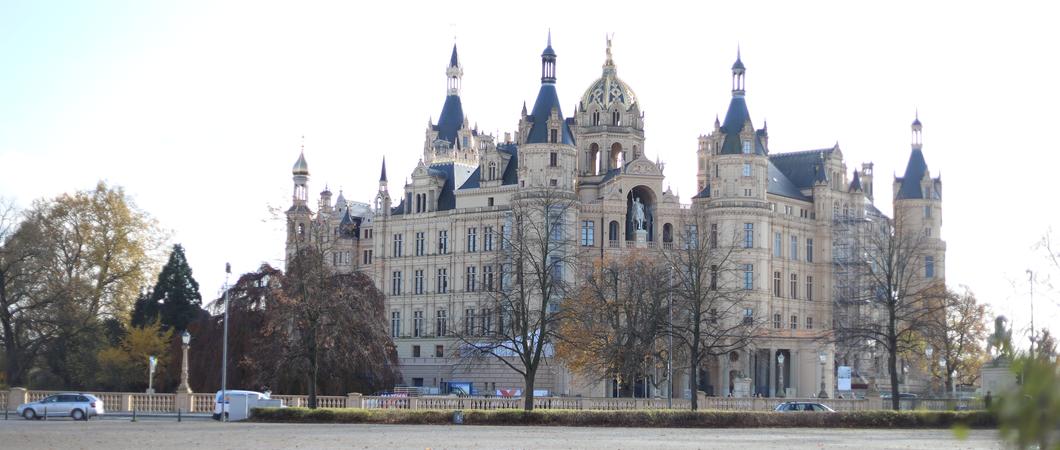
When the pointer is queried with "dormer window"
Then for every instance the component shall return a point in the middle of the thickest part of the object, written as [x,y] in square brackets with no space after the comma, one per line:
[492,171]
[553,136]
[747,146]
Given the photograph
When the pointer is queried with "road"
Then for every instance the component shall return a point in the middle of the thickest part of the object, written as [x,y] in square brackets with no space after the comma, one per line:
[159,434]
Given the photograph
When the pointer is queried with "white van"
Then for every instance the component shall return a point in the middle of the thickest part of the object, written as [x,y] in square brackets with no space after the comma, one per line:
[220,406]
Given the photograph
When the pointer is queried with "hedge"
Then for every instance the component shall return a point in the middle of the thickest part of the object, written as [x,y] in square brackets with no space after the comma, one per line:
[644,418]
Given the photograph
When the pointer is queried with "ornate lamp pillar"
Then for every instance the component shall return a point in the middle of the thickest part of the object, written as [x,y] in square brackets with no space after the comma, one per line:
[780,375]
[184,388]
[824,358]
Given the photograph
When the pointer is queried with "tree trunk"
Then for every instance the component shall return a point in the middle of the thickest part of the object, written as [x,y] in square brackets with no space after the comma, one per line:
[693,382]
[528,391]
[892,368]
[313,371]
[12,367]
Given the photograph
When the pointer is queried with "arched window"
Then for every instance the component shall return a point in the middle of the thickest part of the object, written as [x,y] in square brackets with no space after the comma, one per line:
[615,118]
[668,233]
[612,231]
[593,162]
[492,171]
[616,156]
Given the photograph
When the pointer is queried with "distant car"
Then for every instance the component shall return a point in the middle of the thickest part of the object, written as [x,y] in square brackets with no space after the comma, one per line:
[220,406]
[803,406]
[75,405]
[901,395]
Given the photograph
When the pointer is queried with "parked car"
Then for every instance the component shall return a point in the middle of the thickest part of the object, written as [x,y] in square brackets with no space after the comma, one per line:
[75,405]
[901,395]
[803,406]
[220,406]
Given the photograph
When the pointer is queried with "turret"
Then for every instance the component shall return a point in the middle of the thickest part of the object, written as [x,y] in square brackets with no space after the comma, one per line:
[918,208]
[548,157]
[382,198]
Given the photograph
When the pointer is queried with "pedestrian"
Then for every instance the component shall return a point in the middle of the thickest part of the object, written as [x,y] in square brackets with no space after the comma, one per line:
[988,400]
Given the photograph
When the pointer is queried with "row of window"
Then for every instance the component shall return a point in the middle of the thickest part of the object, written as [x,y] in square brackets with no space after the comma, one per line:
[489,281]
[793,323]
[489,240]
[476,323]
[793,250]
[793,286]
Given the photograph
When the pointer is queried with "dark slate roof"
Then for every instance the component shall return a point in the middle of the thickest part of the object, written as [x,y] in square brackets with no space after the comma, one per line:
[546,100]
[454,175]
[803,168]
[451,120]
[779,184]
[346,218]
[382,173]
[511,172]
[735,118]
[611,174]
[399,209]
[856,184]
[909,186]
[472,181]
[453,59]
[705,193]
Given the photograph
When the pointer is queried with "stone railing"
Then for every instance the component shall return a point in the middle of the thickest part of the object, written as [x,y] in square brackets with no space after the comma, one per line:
[449,403]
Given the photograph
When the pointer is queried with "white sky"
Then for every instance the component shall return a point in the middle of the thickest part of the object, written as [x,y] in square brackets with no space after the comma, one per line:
[197,108]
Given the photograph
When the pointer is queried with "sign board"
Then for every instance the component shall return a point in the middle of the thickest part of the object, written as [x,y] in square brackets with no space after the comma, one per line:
[843,378]
[152,361]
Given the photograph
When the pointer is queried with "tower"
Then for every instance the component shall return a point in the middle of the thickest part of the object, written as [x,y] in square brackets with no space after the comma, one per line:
[547,156]
[299,216]
[382,197]
[610,125]
[451,139]
[918,209]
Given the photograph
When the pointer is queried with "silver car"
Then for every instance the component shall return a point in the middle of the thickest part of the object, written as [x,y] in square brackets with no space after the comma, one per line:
[803,406]
[78,406]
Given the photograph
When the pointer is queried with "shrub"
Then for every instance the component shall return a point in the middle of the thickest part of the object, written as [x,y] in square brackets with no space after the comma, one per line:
[640,418]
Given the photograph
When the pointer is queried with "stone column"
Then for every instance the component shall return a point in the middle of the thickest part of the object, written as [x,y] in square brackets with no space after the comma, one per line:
[16,396]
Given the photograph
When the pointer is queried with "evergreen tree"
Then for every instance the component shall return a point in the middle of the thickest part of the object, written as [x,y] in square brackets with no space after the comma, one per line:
[145,311]
[176,293]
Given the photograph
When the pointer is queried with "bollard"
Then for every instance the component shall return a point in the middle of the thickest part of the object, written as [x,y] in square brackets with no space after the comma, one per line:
[178,414]
[134,415]
[45,413]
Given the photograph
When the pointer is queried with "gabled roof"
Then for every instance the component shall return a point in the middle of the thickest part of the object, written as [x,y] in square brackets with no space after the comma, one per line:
[779,184]
[546,100]
[451,120]
[915,169]
[511,172]
[803,168]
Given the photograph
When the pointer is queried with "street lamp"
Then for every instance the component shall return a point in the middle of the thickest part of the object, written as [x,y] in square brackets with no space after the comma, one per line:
[780,375]
[929,351]
[185,339]
[824,358]
[224,352]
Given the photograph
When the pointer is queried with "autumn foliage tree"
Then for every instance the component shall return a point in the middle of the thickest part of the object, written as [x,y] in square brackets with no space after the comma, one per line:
[957,336]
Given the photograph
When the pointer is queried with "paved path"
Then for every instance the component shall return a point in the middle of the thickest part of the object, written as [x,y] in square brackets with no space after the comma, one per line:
[161,435]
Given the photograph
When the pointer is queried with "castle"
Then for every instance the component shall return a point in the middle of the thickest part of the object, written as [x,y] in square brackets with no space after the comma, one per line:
[432,251]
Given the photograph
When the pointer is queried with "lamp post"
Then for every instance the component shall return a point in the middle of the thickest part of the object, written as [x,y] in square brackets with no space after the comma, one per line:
[780,375]
[224,353]
[824,358]
[929,351]
[670,345]
[185,340]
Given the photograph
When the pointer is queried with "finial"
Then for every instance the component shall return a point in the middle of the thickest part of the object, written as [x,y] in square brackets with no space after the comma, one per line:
[549,36]
[303,144]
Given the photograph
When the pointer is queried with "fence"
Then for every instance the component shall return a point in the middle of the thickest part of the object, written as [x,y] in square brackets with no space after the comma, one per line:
[204,403]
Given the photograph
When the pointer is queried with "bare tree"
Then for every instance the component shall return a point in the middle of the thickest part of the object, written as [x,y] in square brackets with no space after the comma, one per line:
[536,263]
[617,321]
[957,336]
[892,300]
[712,316]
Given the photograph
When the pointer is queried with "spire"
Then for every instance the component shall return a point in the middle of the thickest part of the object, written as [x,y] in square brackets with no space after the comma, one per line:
[609,63]
[382,173]
[917,128]
[454,73]
[738,70]
[548,62]
[855,186]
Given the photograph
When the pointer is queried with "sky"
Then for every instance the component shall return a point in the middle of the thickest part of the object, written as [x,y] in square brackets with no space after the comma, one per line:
[198,108]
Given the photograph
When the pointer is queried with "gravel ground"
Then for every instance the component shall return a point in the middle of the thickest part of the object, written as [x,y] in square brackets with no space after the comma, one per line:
[158,434]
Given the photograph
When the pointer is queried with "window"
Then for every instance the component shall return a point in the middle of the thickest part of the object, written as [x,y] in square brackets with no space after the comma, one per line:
[713,316]
[492,171]
[927,211]
[554,135]
[929,267]
[443,281]
[794,254]
[487,239]
[748,235]
[552,159]
[588,228]
[397,245]
[395,324]
[746,169]
[748,316]
[469,281]
[506,234]
[489,201]
[472,239]
[487,278]
[776,321]
[809,250]
[776,245]
[748,276]
[556,225]
[794,285]
[417,281]
[416,354]
[420,243]
[486,319]
[553,182]
[395,283]
[788,209]
[809,323]
[748,193]
[713,277]
[794,322]
[776,284]
[692,231]
[443,242]
[809,287]
[469,321]
[747,146]
[713,235]
[417,323]
[367,257]
[439,351]
[441,322]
